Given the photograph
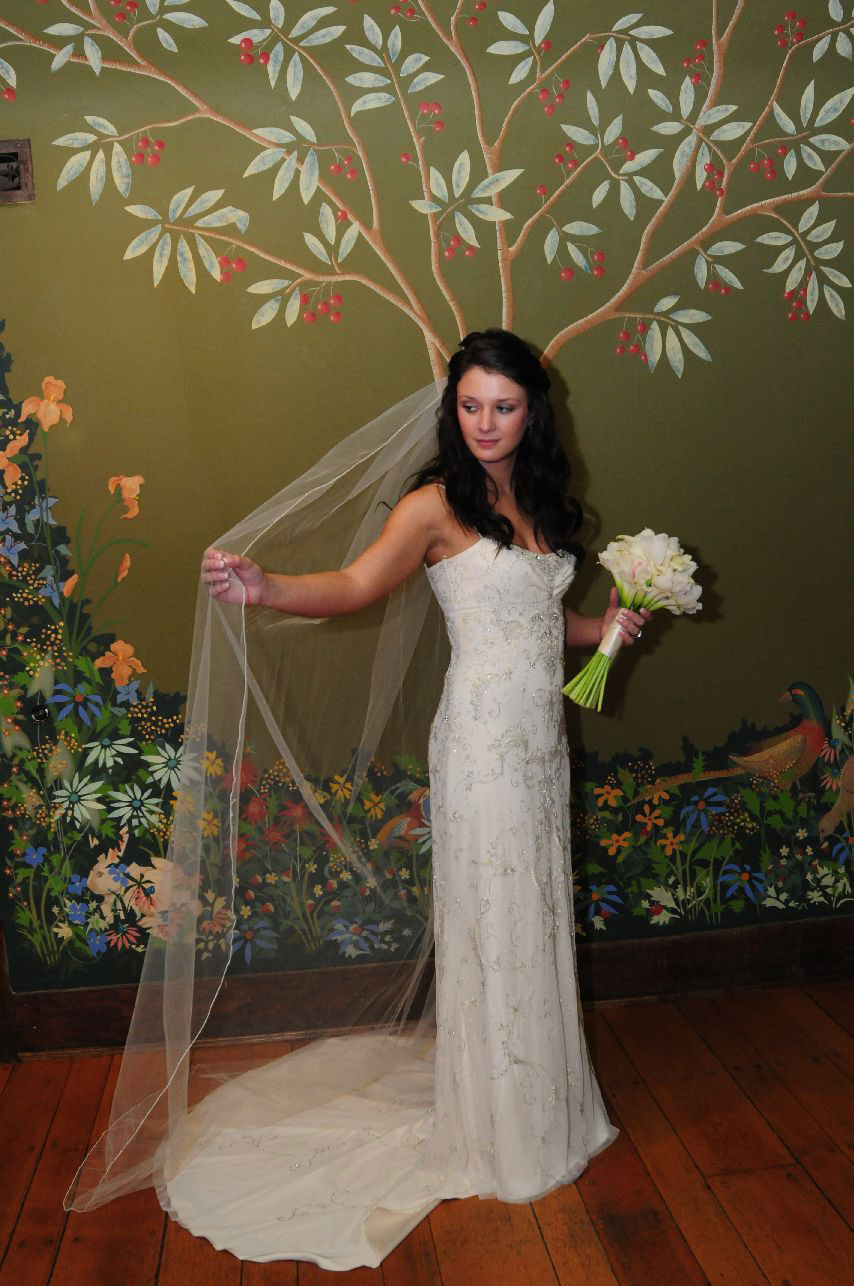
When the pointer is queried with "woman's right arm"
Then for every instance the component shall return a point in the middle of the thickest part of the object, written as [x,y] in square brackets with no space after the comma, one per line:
[411,527]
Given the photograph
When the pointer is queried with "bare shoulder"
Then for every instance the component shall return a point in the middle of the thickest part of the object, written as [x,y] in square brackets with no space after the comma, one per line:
[424,511]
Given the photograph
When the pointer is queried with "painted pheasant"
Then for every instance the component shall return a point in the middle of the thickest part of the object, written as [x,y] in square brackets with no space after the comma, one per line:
[789,755]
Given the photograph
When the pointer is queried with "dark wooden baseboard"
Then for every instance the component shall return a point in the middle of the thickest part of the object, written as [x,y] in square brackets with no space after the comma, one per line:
[318,1001]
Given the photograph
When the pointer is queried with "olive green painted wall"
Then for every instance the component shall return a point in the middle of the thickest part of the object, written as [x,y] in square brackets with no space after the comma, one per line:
[744,457]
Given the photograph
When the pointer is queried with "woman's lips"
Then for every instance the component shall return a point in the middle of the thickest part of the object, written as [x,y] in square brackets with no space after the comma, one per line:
[486,442]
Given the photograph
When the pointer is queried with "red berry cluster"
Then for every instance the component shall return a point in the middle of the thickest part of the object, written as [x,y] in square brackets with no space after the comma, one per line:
[797,303]
[623,143]
[566,158]
[408,12]
[696,60]
[430,109]
[636,345]
[344,166]
[479,8]
[791,30]
[718,287]
[713,182]
[550,97]
[247,57]
[766,165]
[9,94]
[450,251]
[227,266]
[143,154]
[130,5]
[330,308]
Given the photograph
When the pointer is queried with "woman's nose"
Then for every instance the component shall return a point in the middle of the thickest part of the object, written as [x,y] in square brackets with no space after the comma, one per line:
[485,420]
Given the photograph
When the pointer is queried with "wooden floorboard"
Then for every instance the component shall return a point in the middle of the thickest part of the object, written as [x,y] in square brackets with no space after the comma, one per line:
[732,1167]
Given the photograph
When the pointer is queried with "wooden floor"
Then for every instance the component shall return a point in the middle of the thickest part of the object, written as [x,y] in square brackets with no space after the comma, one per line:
[734,1165]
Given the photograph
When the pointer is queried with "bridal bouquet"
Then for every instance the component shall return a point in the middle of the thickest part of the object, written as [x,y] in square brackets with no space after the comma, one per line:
[650,571]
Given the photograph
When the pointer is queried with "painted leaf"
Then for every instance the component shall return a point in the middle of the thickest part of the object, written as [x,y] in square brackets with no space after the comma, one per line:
[650,58]
[581,229]
[274,66]
[628,67]
[666,303]
[438,186]
[653,346]
[579,135]
[425,207]
[521,70]
[267,312]
[627,199]
[179,200]
[640,161]
[293,79]
[830,251]
[648,188]
[161,258]
[686,97]
[120,169]
[690,316]
[701,160]
[843,45]
[495,182]
[512,23]
[490,213]
[268,286]
[701,271]
[811,158]
[369,56]
[426,78]
[600,193]
[166,40]
[784,258]
[348,240]
[578,256]
[309,20]
[592,109]
[795,274]
[787,125]
[143,242]
[204,202]
[393,43]
[694,344]
[732,129]
[142,211]
[97,175]
[309,176]
[185,19]
[64,29]
[613,130]
[812,292]
[273,134]
[302,127]
[7,71]
[263,161]
[186,266]
[93,53]
[673,349]
[322,37]
[829,142]
[682,158]
[369,101]
[625,21]
[412,63]
[73,166]
[728,276]
[552,242]
[208,257]
[326,220]
[668,127]
[372,31]
[461,173]
[651,33]
[316,247]
[245,10]
[834,302]
[79,139]
[774,239]
[790,163]
[807,102]
[220,218]
[712,115]
[277,13]
[836,276]
[823,232]
[62,57]
[821,48]
[366,79]
[508,47]
[545,18]
[293,307]
[834,8]
[725,248]
[660,100]
[607,61]
[465,228]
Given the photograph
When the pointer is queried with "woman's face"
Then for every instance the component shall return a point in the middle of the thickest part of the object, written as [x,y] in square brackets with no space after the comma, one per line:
[492,411]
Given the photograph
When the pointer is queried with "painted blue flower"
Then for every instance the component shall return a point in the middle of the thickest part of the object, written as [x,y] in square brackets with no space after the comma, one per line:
[843,848]
[34,856]
[117,873]
[603,898]
[11,548]
[354,937]
[739,877]
[255,934]
[96,942]
[711,801]
[40,513]
[77,885]
[8,521]
[126,693]
[77,912]
[80,699]
[50,589]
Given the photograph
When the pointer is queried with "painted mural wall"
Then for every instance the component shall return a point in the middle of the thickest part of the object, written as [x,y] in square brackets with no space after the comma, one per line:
[257,226]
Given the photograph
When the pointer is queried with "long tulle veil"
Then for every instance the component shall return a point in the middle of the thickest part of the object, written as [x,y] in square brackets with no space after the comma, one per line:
[298,702]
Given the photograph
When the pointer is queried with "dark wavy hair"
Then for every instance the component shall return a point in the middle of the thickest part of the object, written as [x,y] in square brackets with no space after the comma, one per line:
[541,469]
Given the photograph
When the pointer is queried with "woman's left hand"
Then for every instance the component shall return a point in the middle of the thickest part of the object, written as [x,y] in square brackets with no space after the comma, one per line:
[631,623]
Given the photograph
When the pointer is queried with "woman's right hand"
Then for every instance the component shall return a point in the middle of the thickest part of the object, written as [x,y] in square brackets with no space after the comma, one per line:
[230,577]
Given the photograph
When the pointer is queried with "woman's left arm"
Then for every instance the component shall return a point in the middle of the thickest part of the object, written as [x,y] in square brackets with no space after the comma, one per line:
[588,631]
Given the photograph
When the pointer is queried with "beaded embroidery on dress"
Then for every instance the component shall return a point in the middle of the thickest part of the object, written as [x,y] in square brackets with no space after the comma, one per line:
[505,1103]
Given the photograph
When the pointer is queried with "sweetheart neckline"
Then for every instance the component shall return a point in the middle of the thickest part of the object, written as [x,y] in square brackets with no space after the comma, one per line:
[552,553]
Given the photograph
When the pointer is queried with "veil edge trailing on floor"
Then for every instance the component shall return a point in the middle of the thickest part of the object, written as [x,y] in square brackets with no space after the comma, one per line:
[303,699]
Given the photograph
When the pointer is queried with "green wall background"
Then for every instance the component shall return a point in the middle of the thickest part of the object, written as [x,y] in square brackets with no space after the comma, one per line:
[745,458]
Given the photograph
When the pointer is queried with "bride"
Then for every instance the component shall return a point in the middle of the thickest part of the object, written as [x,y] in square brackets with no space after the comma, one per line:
[335,1152]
